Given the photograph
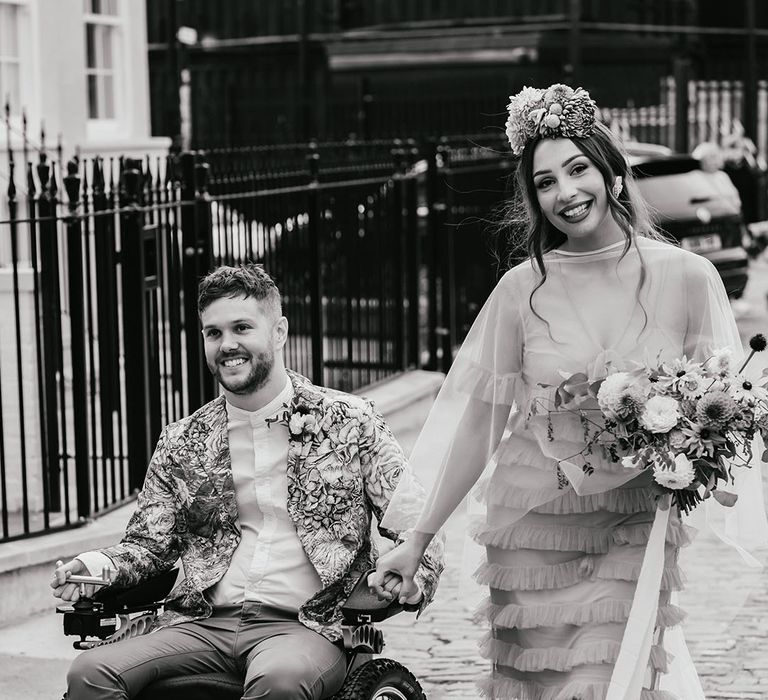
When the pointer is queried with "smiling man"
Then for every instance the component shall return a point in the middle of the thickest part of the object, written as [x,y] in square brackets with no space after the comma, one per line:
[266,494]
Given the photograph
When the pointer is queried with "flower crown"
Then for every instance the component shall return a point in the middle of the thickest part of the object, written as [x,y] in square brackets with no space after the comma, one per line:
[557,111]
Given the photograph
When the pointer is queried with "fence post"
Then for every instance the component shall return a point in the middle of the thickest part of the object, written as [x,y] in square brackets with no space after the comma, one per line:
[106,313]
[398,224]
[204,237]
[77,342]
[45,458]
[136,390]
[434,217]
[315,275]
[50,303]
[447,271]
[196,242]
[412,276]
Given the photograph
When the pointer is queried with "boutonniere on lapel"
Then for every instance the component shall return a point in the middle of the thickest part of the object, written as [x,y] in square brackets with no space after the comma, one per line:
[301,420]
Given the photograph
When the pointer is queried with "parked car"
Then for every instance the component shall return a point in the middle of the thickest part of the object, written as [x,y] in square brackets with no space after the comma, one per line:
[700,209]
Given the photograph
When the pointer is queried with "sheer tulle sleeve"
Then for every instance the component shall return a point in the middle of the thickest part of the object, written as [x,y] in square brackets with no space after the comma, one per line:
[711,326]
[710,322]
[468,417]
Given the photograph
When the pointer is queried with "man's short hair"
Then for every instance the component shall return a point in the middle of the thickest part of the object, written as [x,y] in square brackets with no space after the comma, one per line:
[248,280]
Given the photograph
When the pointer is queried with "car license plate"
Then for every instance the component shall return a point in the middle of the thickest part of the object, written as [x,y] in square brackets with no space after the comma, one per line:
[702,244]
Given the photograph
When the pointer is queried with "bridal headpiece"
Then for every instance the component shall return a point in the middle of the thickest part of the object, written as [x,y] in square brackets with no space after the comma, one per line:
[558,110]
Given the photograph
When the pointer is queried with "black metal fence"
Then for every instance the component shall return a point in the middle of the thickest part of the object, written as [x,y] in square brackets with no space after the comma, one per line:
[378,249]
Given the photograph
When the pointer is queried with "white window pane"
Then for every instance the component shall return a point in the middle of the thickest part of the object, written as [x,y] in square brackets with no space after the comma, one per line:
[105,38]
[108,93]
[90,46]
[93,99]
[9,30]
[9,85]
[100,7]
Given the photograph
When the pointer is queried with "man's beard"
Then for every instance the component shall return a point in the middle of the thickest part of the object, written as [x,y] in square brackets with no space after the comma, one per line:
[261,367]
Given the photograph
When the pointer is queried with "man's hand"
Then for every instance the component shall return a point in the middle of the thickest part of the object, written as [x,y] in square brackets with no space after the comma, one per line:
[394,574]
[60,582]
[390,586]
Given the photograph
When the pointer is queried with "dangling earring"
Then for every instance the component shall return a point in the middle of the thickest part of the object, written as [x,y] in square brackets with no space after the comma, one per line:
[618,186]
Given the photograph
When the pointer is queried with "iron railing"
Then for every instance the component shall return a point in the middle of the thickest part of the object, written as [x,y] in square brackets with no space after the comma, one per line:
[101,342]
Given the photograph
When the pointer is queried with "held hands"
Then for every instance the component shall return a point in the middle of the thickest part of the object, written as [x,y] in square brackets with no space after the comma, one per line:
[394,574]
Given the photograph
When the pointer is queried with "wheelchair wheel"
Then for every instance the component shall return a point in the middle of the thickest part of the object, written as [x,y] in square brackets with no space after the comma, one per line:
[381,679]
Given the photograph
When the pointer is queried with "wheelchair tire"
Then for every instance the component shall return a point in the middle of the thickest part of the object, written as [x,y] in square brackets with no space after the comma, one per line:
[381,679]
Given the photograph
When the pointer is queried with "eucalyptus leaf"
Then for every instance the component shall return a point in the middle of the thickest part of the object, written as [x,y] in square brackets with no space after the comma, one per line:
[594,387]
[725,498]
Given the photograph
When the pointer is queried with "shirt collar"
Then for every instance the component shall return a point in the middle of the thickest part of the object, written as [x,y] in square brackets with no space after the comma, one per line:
[271,410]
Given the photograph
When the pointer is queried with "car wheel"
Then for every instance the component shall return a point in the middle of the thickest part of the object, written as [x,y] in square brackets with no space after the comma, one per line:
[381,679]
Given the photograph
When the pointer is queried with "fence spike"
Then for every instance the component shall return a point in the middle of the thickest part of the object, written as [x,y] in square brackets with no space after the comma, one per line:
[11,192]
[72,182]
[85,175]
[43,171]
[98,176]
[53,187]
[31,189]
[131,180]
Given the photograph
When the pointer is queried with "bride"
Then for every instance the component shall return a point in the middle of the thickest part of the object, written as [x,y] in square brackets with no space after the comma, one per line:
[582,569]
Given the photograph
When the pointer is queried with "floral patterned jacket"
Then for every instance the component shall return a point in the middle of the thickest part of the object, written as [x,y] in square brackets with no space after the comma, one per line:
[343,465]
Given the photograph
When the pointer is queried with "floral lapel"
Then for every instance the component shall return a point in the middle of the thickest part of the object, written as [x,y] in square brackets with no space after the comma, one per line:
[212,496]
[303,417]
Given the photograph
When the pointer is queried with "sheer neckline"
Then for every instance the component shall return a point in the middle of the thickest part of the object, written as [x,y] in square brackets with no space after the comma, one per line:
[582,253]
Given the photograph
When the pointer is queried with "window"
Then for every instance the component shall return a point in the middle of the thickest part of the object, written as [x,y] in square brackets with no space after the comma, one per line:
[102,23]
[9,55]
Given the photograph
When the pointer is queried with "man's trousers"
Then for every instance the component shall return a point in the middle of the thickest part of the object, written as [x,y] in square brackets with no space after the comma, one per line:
[278,657]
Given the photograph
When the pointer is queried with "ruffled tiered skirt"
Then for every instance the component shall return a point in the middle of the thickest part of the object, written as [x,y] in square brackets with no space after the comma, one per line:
[562,572]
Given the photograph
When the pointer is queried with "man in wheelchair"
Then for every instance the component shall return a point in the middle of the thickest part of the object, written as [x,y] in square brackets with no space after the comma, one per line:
[266,494]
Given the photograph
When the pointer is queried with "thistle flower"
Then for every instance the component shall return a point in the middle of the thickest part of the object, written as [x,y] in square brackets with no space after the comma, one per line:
[757,343]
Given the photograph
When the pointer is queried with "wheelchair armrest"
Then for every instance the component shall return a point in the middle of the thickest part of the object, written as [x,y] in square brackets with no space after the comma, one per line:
[99,616]
[362,606]
[149,593]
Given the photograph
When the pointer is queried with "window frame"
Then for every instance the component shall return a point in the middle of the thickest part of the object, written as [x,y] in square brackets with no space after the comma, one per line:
[106,127]
[22,62]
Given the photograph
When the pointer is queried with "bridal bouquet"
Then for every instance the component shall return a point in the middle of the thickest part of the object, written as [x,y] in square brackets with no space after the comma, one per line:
[690,422]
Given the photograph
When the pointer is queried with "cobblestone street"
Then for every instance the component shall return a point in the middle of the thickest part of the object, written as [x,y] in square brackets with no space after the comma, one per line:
[441,647]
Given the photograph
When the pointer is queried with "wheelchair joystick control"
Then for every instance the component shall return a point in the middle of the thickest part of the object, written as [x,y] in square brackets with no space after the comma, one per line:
[83,581]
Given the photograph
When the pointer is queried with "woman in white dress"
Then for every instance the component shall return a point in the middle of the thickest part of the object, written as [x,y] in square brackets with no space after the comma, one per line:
[581,567]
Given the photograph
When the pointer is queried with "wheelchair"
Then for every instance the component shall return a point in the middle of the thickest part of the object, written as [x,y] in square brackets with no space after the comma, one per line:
[114,614]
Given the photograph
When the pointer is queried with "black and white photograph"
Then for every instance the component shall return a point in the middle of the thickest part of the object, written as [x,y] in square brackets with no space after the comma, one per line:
[383,350]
